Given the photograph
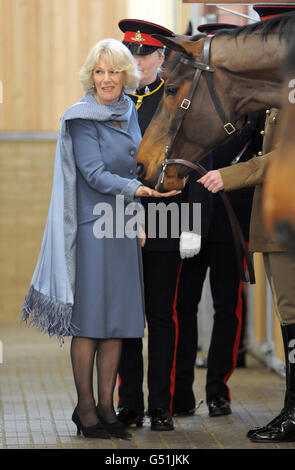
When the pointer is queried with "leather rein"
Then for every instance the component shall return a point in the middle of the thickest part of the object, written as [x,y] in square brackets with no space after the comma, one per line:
[230,129]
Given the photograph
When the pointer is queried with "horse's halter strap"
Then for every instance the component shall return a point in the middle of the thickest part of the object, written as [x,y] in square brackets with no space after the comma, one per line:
[202,66]
[229,128]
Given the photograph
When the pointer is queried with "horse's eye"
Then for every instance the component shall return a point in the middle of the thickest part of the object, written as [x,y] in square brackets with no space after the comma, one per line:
[171,90]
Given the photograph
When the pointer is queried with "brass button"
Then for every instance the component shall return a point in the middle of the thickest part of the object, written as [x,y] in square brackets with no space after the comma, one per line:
[267,111]
[260,153]
[262,132]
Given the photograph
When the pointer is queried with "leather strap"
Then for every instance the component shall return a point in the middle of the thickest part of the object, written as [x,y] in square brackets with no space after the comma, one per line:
[228,126]
[185,104]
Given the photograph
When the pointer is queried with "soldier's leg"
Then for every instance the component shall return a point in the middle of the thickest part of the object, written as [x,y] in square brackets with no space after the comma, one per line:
[280,270]
[226,292]
[130,380]
[161,271]
[190,287]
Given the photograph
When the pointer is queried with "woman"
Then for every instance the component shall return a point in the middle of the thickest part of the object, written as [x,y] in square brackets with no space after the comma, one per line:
[88,283]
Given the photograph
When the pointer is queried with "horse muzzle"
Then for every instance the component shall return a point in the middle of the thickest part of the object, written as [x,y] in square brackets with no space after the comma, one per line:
[140,170]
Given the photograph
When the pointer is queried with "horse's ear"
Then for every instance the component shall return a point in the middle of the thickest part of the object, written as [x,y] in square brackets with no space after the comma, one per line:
[172,43]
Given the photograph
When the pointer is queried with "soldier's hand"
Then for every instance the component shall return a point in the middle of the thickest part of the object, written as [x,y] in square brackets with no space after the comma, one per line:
[189,244]
[212,181]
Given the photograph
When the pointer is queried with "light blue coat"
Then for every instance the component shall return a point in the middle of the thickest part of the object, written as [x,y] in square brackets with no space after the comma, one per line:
[109,290]
[83,285]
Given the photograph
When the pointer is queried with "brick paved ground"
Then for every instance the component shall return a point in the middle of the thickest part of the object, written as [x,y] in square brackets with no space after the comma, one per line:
[37,397]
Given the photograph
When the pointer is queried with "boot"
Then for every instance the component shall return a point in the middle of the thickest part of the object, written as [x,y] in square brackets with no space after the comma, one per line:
[282,427]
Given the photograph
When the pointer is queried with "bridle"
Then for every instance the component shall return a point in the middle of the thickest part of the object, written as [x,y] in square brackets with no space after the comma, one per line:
[230,129]
[202,66]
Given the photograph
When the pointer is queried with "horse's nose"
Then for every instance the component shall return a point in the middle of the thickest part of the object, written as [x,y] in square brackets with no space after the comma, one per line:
[140,170]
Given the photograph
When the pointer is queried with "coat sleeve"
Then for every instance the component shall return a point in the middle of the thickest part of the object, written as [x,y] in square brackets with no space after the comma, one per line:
[91,165]
[245,174]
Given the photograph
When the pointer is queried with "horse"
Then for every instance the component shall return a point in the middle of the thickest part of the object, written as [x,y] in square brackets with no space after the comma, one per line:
[211,84]
[279,187]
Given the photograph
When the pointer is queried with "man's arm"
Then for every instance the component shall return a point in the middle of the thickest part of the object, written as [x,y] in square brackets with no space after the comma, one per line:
[237,176]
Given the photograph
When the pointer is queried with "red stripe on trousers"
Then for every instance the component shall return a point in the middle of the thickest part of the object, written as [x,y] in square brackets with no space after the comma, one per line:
[118,386]
[239,314]
[175,320]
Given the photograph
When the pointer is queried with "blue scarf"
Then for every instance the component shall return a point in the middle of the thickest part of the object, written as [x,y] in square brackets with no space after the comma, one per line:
[50,299]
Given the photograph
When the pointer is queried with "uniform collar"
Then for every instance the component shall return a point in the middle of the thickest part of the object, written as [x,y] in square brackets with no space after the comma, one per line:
[151,86]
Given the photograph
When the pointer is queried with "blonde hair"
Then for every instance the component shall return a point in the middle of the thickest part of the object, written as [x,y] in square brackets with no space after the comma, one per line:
[117,57]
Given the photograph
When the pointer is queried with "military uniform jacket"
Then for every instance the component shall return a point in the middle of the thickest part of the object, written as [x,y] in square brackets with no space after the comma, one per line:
[252,173]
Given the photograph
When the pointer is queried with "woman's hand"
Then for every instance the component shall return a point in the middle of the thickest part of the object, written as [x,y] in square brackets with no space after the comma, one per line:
[212,181]
[145,191]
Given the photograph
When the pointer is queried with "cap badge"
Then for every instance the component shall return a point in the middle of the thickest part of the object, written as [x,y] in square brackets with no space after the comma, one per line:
[138,37]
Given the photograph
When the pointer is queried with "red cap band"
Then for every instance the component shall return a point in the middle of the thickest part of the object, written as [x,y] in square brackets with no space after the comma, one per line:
[268,16]
[141,38]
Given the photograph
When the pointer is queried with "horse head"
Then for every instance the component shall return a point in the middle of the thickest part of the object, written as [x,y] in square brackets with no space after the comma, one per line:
[201,129]
[244,73]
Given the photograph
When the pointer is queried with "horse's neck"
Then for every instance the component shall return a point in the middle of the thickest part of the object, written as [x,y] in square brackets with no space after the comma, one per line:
[252,66]
[249,55]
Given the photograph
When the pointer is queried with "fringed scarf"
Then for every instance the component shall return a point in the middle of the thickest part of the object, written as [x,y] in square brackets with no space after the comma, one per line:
[50,299]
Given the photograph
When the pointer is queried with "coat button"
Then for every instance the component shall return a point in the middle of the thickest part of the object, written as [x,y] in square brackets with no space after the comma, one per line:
[132,153]
[131,172]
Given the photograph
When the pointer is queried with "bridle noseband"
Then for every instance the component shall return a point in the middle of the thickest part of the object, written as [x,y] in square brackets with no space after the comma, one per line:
[229,128]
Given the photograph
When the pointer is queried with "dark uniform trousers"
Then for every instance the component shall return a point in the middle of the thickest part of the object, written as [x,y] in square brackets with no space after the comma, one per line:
[130,379]
[161,271]
[161,264]
[161,292]
[226,293]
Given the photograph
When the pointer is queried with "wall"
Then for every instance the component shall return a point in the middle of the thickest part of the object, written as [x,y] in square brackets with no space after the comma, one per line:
[43,44]
[25,184]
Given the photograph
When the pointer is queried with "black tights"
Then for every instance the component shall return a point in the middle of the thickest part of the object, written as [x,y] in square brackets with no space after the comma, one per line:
[108,353]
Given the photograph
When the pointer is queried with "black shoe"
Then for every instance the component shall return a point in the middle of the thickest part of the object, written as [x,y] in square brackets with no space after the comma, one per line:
[268,426]
[115,429]
[218,406]
[129,417]
[97,430]
[161,420]
[183,412]
[282,429]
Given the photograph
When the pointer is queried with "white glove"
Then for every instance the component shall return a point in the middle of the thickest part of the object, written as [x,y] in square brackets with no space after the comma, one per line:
[190,244]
